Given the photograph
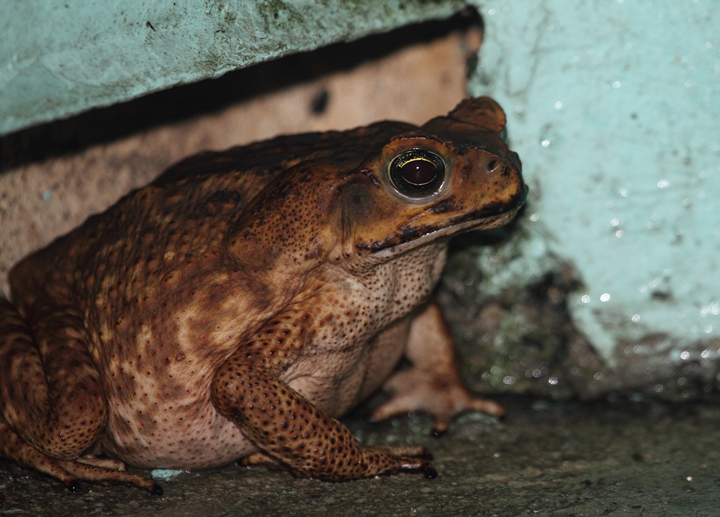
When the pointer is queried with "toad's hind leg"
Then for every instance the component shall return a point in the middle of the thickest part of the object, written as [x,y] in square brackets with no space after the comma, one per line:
[52,407]
[49,386]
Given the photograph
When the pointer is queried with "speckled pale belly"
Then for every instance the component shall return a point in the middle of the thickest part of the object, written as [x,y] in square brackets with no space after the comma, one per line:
[191,437]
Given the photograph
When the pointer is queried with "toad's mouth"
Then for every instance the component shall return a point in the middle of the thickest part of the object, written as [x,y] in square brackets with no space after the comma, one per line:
[415,237]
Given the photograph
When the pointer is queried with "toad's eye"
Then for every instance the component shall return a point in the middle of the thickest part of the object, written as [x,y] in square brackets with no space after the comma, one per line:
[417,173]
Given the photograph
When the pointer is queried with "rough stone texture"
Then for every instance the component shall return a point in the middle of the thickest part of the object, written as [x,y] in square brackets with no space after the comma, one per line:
[613,108]
[62,58]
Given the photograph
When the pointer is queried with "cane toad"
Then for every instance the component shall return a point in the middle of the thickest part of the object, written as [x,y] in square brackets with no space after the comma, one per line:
[242,302]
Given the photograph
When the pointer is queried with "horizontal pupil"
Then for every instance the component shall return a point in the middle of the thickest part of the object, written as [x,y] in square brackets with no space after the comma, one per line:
[418,172]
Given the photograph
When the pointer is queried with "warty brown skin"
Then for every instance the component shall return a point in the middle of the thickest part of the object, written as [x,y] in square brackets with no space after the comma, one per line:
[244,300]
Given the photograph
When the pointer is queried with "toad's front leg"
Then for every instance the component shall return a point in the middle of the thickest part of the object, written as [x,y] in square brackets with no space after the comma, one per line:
[288,428]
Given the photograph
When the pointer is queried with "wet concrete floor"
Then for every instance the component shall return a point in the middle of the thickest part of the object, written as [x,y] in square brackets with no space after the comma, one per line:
[545,458]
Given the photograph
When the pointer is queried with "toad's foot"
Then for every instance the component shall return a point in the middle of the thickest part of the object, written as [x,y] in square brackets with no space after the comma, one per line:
[443,398]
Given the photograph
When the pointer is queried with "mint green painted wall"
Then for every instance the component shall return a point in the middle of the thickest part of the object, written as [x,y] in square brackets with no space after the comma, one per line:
[62,57]
[614,108]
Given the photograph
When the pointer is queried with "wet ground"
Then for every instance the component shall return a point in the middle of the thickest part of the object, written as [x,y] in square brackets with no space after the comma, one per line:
[544,458]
